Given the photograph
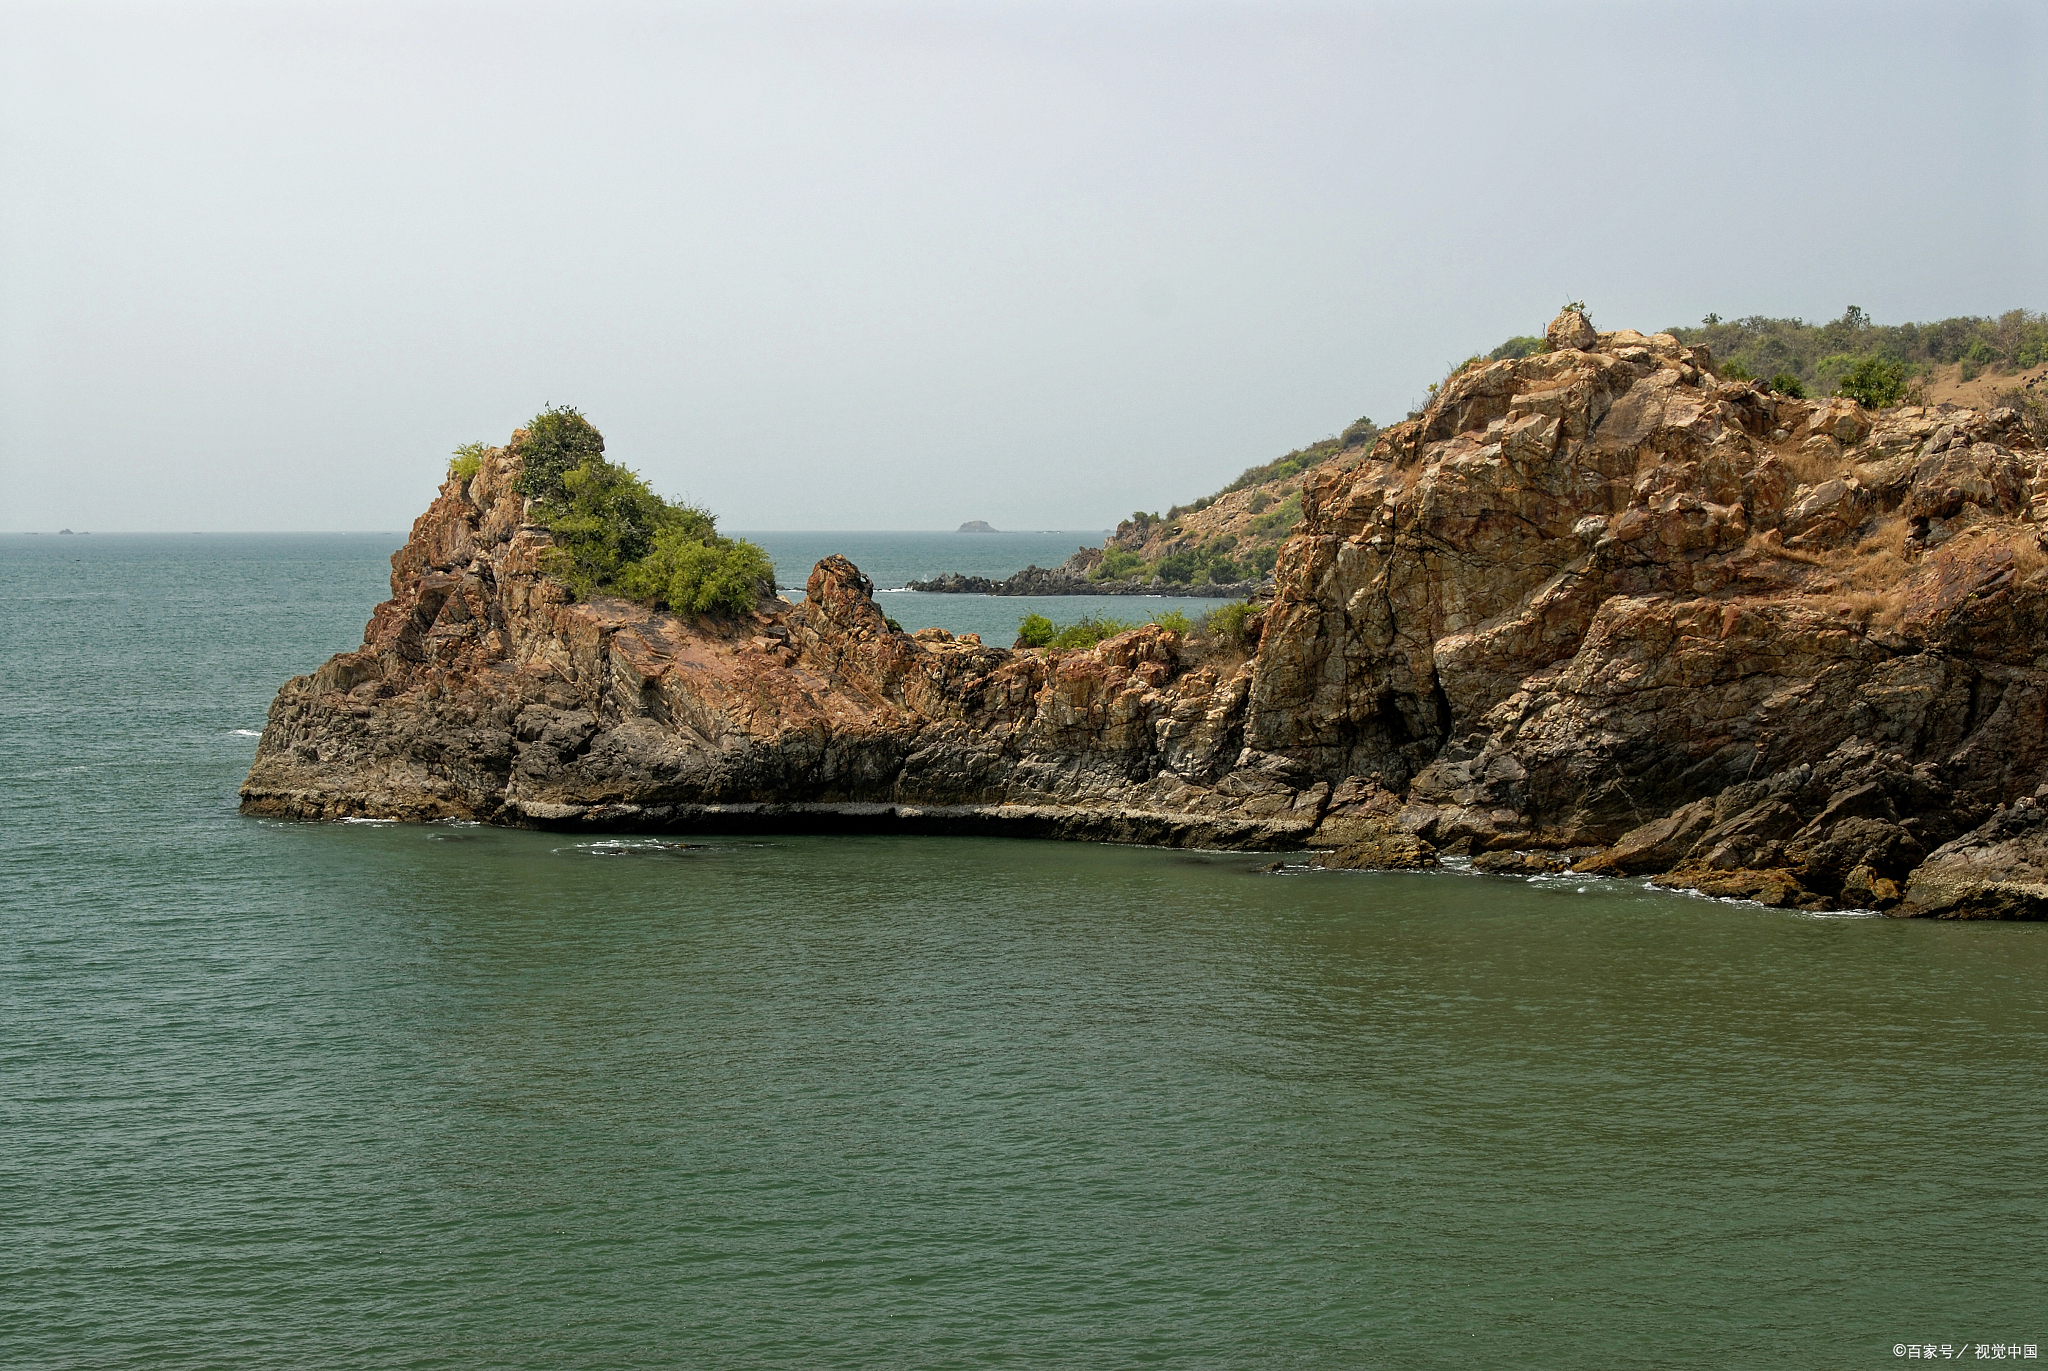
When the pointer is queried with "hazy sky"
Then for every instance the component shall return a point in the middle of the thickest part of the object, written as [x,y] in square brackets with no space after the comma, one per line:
[896,266]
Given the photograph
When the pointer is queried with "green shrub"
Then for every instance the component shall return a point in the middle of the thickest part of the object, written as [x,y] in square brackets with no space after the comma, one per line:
[693,574]
[1516,348]
[1228,622]
[605,518]
[1359,432]
[1874,382]
[1734,370]
[1117,564]
[557,441]
[614,536]
[1178,568]
[467,461]
[1280,518]
[1035,630]
[1785,383]
[1087,632]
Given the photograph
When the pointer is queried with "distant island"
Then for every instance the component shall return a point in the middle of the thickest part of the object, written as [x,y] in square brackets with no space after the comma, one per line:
[976,526]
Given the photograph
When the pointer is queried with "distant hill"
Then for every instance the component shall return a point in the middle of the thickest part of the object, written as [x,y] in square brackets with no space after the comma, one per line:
[975,526]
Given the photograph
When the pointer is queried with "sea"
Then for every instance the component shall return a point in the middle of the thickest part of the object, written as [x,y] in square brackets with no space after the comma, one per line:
[892,559]
[385,1096]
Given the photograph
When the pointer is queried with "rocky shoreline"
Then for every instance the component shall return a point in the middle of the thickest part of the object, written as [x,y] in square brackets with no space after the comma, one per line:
[1597,609]
[1038,580]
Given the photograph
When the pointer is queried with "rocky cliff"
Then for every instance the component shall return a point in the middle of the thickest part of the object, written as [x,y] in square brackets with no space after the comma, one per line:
[1596,606]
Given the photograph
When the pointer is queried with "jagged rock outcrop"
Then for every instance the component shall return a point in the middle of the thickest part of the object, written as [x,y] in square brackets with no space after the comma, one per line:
[481,691]
[1593,601]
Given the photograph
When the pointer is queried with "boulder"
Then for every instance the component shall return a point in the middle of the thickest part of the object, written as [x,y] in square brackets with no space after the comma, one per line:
[1571,330]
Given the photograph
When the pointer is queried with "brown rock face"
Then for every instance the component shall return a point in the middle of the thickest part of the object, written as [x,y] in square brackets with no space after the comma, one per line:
[1571,330]
[1593,598]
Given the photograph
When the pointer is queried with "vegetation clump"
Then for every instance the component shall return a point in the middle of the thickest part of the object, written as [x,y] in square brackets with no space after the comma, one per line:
[1874,382]
[1855,357]
[555,442]
[1035,630]
[467,461]
[1518,347]
[1229,625]
[614,536]
[1360,433]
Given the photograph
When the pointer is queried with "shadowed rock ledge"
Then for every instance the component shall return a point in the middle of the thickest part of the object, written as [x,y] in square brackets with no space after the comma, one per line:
[1596,607]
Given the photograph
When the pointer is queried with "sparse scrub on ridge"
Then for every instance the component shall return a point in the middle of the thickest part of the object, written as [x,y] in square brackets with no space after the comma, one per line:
[1826,358]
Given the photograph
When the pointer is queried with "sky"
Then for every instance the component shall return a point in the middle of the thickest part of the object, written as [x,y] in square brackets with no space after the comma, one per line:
[896,266]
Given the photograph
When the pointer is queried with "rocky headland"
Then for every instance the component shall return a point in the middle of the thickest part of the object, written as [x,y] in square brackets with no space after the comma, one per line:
[1596,608]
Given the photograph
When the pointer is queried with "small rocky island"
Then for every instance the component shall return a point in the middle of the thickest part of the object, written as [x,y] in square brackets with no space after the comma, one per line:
[1599,607]
[976,526]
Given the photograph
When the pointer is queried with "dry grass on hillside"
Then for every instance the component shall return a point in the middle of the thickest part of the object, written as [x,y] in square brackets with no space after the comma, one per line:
[1873,574]
[1815,461]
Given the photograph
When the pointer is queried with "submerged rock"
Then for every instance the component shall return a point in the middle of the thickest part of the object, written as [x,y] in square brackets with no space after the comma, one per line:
[1594,598]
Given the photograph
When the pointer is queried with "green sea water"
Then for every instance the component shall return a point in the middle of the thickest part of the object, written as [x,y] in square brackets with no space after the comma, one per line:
[365,1095]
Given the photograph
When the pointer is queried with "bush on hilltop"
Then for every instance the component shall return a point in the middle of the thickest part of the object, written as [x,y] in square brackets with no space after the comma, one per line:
[557,441]
[614,536]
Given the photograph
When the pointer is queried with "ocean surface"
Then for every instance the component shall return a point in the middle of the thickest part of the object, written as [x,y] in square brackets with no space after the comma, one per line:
[363,1095]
